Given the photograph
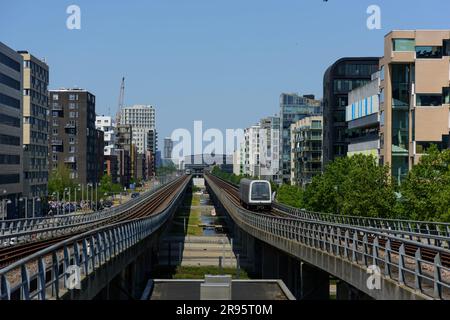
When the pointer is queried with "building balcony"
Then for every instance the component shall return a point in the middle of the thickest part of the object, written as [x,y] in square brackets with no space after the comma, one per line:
[70,160]
[70,126]
[57,142]
[57,107]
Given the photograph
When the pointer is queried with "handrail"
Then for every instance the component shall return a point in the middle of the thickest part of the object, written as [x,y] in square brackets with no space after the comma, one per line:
[414,226]
[51,226]
[53,268]
[354,244]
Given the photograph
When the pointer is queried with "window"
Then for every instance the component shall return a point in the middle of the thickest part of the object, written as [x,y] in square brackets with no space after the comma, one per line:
[9,178]
[446,96]
[55,131]
[428,100]
[382,73]
[71,149]
[446,47]
[404,44]
[55,97]
[423,52]
[9,140]
[9,121]
[9,159]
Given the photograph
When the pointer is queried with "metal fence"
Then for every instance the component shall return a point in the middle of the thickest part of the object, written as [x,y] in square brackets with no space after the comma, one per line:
[50,273]
[13,232]
[406,228]
[409,263]
[432,233]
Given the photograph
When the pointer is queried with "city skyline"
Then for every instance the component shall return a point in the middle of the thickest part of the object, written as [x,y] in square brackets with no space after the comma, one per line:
[198,49]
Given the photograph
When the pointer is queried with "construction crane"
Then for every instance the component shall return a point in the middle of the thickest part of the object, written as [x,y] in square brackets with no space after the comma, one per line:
[121,99]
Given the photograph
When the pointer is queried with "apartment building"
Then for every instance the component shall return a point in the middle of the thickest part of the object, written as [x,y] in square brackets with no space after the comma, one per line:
[142,119]
[35,126]
[343,76]
[73,137]
[270,148]
[414,96]
[293,107]
[11,131]
[306,149]
[363,119]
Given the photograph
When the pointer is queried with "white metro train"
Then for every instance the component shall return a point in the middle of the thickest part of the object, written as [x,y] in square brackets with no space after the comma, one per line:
[255,194]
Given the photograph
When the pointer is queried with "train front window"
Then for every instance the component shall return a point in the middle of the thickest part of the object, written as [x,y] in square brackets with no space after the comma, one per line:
[260,191]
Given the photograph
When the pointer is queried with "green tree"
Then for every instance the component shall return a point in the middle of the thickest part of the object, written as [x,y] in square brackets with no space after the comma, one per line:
[426,190]
[59,180]
[290,195]
[354,185]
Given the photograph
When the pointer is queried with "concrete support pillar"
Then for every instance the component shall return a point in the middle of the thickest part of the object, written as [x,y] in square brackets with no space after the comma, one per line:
[315,283]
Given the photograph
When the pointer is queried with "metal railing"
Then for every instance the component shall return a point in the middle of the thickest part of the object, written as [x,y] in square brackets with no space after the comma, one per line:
[409,263]
[47,274]
[13,232]
[432,233]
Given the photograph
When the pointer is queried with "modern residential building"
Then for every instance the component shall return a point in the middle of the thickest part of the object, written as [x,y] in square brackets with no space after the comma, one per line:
[293,107]
[306,146]
[107,125]
[11,131]
[142,119]
[269,138]
[99,153]
[414,96]
[237,164]
[340,78]
[251,151]
[124,147]
[363,119]
[152,146]
[35,126]
[168,148]
[73,137]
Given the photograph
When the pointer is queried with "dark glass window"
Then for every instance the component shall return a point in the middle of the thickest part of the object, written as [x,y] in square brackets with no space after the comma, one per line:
[9,140]
[260,191]
[401,79]
[428,100]
[446,48]
[7,61]
[9,121]
[9,159]
[446,96]
[9,101]
[9,178]
[423,146]
[10,82]
[429,52]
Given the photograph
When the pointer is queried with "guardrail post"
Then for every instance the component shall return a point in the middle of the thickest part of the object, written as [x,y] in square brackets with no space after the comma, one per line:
[401,264]
[41,279]
[365,250]
[5,290]
[437,292]
[25,286]
[387,259]
[93,252]
[85,257]
[375,245]
[354,247]
[346,247]
[55,275]
[418,271]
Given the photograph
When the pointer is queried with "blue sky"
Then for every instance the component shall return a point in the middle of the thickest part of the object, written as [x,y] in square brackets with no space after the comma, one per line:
[223,62]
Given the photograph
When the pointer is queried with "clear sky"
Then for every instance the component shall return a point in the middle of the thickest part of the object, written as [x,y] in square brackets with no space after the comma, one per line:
[223,62]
